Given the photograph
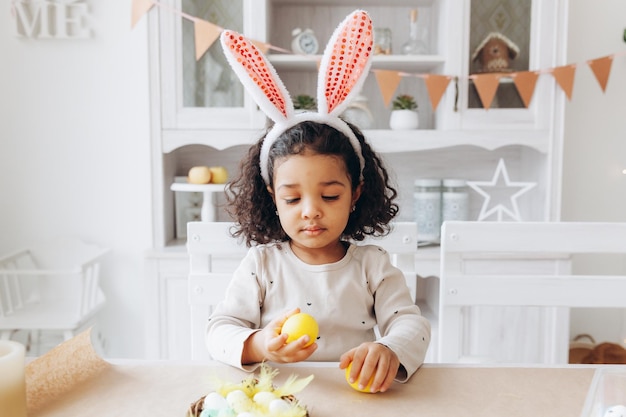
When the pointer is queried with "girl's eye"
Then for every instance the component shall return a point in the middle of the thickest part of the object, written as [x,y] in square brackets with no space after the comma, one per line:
[291,200]
[330,197]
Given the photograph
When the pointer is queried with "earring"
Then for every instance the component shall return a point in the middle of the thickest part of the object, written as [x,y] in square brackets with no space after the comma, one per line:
[276,212]
[353,208]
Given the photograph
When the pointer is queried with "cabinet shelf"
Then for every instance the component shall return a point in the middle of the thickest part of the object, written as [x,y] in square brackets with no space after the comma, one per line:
[394,141]
[385,141]
[422,63]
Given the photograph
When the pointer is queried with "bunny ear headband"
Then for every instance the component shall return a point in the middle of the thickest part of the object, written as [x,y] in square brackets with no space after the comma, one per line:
[342,72]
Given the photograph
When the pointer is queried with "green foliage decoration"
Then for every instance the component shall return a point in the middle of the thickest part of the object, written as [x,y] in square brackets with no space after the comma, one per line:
[404,102]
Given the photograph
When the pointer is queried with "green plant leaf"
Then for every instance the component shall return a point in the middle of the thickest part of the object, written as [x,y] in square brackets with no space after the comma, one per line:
[404,102]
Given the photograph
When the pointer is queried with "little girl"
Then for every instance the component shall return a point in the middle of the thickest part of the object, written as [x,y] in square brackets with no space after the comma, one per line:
[306,191]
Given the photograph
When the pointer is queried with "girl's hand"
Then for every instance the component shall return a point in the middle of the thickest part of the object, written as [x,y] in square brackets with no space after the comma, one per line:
[268,344]
[371,359]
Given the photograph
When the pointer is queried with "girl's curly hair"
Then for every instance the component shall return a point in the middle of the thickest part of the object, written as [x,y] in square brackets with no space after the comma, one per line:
[253,208]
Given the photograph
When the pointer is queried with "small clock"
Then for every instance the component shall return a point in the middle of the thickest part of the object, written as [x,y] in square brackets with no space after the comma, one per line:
[304,42]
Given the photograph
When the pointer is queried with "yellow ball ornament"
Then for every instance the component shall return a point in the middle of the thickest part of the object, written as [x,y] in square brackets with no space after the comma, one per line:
[219,175]
[298,325]
[199,175]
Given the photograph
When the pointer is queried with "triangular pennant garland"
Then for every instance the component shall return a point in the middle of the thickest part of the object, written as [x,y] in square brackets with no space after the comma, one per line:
[262,46]
[525,82]
[486,86]
[564,76]
[601,68]
[139,8]
[388,81]
[436,85]
[205,34]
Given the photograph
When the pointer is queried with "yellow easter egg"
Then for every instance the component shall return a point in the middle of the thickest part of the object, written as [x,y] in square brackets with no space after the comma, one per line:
[298,325]
[355,384]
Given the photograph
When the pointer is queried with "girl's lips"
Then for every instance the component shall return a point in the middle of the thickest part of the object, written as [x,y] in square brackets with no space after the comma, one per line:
[312,230]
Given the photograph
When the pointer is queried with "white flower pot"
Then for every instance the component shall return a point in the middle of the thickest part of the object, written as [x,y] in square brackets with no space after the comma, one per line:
[403,120]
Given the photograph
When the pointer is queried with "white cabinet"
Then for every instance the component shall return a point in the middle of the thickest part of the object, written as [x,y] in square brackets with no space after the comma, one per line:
[167,311]
[201,115]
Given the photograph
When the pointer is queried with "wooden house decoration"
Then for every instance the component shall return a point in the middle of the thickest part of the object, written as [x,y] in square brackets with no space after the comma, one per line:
[495,53]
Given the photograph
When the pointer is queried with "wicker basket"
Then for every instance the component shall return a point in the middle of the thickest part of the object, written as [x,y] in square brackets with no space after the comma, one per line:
[589,352]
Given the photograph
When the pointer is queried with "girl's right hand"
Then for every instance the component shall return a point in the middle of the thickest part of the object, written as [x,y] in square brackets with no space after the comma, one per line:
[269,345]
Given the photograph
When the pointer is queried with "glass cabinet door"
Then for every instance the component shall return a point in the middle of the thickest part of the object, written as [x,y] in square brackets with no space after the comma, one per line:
[204,93]
[209,81]
[508,37]
[499,43]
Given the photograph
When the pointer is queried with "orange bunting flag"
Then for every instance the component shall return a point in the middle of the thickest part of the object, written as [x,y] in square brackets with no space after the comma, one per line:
[139,8]
[436,85]
[601,68]
[525,82]
[564,76]
[387,81]
[263,47]
[205,33]
[486,86]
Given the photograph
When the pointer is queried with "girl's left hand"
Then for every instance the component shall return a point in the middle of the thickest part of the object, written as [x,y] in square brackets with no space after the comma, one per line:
[371,360]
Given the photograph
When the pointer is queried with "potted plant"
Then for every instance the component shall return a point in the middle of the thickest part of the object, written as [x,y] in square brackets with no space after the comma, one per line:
[304,102]
[403,113]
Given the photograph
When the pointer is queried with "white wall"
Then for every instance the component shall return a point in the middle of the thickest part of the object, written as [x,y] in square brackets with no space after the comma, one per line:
[594,188]
[75,152]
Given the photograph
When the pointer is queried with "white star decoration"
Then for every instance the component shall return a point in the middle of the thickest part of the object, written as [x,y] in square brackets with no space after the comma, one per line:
[511,209]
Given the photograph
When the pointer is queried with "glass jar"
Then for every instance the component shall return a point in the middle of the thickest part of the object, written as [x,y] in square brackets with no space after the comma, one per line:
[454,200]
[427,209]
[382,41]
[415,45]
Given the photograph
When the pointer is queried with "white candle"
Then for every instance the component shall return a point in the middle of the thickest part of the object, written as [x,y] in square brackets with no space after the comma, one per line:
[12,382]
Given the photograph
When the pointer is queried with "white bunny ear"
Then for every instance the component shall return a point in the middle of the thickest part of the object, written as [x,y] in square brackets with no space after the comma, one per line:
[345,63]
[258,76]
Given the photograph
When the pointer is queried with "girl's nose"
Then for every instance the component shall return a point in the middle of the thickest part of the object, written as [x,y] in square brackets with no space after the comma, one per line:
[311,209]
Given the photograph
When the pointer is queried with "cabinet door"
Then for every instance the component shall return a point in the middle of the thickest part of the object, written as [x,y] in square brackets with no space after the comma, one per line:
[167,310]
[532,31]
[205,93]
[177,329]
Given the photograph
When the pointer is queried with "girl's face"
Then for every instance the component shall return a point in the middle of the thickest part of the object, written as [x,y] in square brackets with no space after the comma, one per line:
[314,198]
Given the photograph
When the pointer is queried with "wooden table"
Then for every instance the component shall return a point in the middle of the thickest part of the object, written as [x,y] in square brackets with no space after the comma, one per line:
[138,388]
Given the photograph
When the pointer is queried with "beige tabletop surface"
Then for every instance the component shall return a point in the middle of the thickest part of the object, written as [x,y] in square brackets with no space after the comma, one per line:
[149,388]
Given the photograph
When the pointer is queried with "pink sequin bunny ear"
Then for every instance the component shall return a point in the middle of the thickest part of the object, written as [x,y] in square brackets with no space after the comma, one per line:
[345,63]
[258,76]
[343,70]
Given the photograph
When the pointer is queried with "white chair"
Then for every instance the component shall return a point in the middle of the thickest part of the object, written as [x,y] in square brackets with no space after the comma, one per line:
[401,243]
[52,287]
[526,265]
[213,257]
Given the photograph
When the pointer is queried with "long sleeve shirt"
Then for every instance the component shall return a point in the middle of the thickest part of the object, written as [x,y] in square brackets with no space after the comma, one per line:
[348,298]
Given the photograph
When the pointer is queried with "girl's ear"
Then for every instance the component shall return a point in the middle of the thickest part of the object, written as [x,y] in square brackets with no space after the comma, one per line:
[357,193]
[271,191]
